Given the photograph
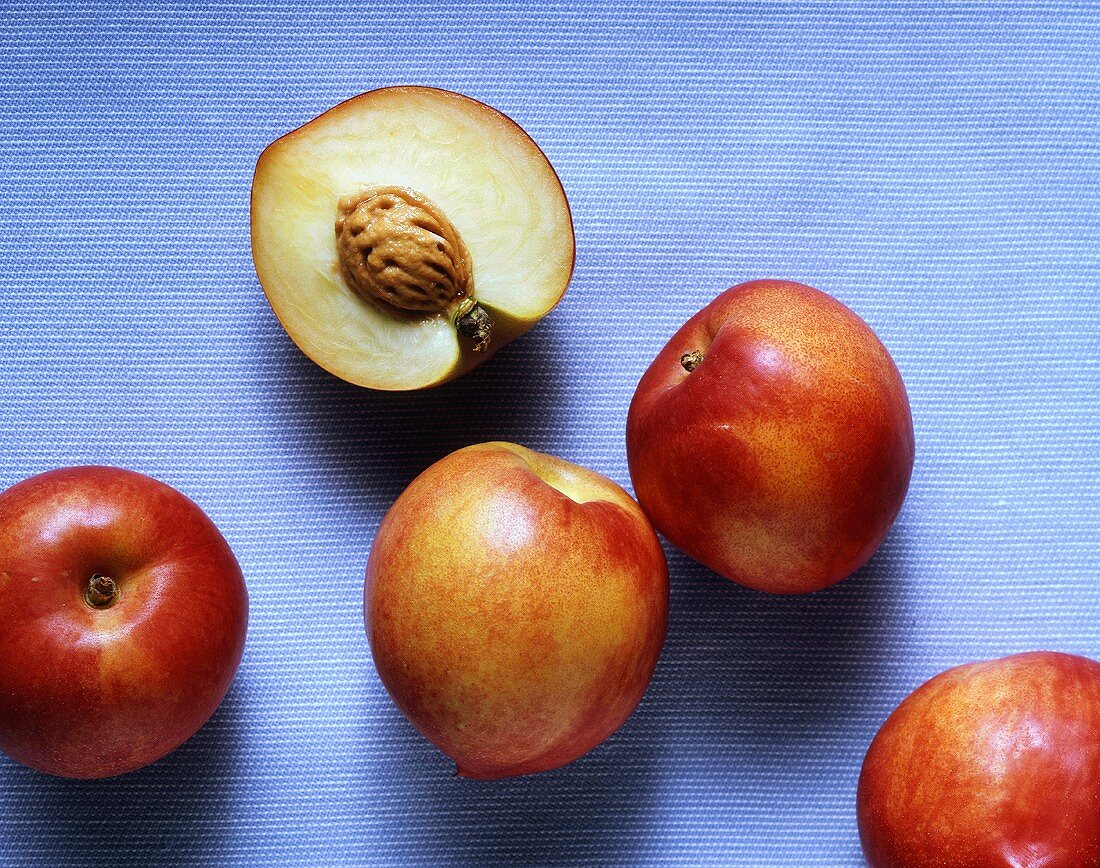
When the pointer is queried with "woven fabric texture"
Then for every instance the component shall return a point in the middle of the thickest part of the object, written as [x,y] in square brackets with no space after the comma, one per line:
[936,166]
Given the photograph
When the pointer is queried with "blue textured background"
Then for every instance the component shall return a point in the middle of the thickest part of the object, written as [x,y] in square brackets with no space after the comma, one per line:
[935,166]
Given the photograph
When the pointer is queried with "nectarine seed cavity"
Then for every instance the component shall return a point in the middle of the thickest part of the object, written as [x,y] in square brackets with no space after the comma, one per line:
[102,592]
[691,360]
[398,251]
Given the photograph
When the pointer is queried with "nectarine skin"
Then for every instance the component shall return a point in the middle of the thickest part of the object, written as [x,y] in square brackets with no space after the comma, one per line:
[781,459]
[516,605]
[86,692]
[989,764]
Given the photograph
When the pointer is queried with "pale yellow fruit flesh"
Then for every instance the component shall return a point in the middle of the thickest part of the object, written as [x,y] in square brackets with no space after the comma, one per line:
[482,171]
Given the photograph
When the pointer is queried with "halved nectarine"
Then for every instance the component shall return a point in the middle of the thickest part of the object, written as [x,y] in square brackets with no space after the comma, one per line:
[404,235]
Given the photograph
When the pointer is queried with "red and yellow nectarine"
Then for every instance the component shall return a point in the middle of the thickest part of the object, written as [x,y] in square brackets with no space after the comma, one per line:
[771,438]
[989,764]
[122,618]
[516,605]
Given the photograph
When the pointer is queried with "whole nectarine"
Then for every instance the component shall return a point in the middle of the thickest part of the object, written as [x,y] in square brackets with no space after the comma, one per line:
[771,438]
[122,620]
[516,605]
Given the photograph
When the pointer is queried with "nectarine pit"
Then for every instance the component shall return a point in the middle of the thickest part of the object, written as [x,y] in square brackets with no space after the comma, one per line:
[398,251]
[102,591]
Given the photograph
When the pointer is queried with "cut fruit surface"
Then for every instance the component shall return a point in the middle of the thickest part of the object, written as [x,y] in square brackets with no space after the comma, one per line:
[457,209]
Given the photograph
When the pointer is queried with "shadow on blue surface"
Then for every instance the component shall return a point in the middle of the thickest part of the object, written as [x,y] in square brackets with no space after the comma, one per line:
[172,812]
[780,665]
[377,442]
[599,805]
[759,674]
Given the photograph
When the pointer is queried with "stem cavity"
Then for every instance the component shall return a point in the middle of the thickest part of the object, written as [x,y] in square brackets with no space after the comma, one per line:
[102,592]
[691,360]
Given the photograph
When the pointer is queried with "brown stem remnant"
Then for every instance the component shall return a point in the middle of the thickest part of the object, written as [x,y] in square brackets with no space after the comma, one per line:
[474,323]
[691,360]
[102,592]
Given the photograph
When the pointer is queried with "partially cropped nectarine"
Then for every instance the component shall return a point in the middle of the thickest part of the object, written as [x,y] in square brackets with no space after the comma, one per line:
[989,764]
[516,605]
[123,615]
[771,438]
[408,233]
